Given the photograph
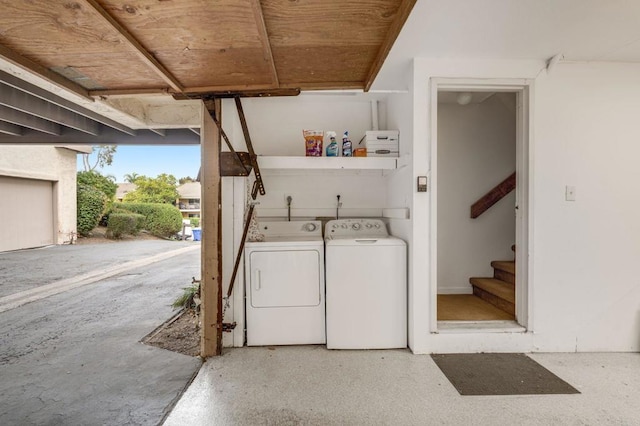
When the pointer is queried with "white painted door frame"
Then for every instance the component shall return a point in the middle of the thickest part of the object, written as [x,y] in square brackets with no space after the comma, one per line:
[523,88]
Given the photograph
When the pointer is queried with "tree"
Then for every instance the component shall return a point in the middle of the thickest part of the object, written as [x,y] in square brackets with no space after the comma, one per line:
[131,177]
[95,194]
[104,157]
[91,204]
[186,179]
[161,189]
[103,183]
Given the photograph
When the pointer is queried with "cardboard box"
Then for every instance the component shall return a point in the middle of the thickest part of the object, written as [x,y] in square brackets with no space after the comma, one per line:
[382,143]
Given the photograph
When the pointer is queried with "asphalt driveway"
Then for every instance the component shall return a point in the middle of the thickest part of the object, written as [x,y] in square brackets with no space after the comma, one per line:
[74,358]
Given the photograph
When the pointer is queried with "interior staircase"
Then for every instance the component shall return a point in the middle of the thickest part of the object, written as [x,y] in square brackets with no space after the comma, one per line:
[499,290]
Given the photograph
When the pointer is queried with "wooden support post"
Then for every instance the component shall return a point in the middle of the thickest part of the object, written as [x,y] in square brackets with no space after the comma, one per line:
[211,282]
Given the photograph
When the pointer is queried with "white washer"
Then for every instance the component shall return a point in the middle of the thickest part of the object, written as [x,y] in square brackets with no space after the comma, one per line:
[284,278]
[366,276]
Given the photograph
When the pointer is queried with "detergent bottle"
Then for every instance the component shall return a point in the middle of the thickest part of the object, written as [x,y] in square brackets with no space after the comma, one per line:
[347,148]
[332,148]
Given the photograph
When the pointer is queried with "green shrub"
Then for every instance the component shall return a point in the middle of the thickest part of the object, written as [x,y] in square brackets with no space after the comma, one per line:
[91,203]
[96,180]
[124,223]
[195,221]
[189,298]
[162,220]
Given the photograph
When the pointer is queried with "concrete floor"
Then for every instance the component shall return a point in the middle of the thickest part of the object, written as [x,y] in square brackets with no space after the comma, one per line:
[75,358]
[311,385]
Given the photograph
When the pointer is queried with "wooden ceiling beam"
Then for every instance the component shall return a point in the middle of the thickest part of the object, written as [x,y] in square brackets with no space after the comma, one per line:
[46,74]
[129,92]
[401,17]
[229,88]
[227,94]
[264,40]
[329,85]
[138,49]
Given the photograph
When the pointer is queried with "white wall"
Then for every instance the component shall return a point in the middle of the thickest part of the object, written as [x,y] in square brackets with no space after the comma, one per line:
[586,288]
[276,125]
[476,151]
[55,164]
[400,188]
[584,293]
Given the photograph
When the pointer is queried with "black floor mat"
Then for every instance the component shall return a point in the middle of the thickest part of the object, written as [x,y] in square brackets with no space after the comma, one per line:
[500,374]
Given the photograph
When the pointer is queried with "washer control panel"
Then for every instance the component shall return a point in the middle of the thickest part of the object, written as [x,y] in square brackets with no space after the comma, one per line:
[358,228]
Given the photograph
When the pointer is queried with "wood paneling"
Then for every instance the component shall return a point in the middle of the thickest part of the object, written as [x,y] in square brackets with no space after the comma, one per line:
[394,30]
[206,43]
[108,70]
[134,45]
[218,68]
[309,65]
[69,34]
[328,22]
[187,24]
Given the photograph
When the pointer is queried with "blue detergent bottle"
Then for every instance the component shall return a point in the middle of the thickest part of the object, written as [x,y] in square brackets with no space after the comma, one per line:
[332,148]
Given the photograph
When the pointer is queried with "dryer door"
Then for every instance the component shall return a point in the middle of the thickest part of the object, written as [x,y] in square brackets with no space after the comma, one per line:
[285,278]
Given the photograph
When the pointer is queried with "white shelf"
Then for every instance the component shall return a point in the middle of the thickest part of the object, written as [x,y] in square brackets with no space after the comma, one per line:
[327,163]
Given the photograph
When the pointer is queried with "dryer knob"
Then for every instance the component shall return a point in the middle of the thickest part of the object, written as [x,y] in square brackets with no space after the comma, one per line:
[310,227]
[344,225]
[377,225]
[368,226]
[355,226]
[335,225]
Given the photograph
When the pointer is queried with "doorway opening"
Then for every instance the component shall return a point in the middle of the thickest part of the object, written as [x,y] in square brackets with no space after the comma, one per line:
[479,159]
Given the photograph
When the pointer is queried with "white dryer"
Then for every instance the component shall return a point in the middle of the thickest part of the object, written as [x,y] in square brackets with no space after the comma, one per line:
[366,274]
[284,277]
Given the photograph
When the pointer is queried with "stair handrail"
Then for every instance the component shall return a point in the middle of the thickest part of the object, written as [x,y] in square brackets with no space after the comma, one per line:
[496,194]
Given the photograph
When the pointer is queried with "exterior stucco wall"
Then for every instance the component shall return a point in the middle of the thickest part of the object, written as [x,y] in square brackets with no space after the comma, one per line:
[49,163]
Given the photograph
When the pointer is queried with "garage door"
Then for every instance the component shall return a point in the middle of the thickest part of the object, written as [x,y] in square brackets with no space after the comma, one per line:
[26,213]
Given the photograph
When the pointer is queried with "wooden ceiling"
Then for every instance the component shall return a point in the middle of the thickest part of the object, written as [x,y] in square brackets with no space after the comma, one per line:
[195,47]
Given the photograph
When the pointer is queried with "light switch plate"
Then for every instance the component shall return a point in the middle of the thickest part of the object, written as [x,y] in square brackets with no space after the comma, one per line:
[422,184]
[570,193]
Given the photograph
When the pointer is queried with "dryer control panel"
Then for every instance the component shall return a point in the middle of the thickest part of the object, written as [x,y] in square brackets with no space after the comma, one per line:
[355,228]
[310,228]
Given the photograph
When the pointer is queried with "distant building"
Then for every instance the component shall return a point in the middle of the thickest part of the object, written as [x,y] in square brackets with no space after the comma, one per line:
[189,201]
[124,189]
[38,202]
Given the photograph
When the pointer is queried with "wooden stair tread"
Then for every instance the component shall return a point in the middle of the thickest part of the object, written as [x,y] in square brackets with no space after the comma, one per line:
[499,288]
[505,265]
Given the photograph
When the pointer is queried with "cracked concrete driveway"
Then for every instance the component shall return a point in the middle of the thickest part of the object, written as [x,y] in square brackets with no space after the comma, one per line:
[74,357]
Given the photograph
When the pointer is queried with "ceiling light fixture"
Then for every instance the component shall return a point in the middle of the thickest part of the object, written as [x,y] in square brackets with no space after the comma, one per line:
[464,98]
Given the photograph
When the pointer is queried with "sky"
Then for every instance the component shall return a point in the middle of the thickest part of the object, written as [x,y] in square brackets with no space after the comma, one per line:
[151,160]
